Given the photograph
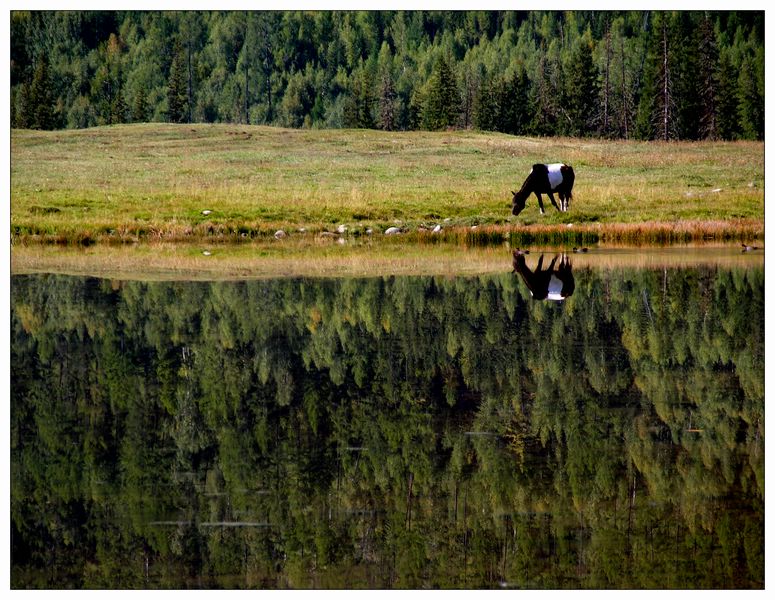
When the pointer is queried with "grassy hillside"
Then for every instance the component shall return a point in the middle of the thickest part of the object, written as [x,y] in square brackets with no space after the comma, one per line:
[153,182]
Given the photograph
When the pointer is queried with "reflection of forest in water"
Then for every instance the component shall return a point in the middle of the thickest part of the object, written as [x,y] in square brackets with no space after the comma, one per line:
[389,432]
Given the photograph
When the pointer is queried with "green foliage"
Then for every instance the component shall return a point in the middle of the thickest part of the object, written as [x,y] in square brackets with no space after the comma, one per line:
[380,69]
[177,100]
[441,100]
[389,432]
[35,103]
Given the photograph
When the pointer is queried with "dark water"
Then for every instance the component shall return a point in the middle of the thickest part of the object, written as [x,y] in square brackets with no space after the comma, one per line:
[403,432]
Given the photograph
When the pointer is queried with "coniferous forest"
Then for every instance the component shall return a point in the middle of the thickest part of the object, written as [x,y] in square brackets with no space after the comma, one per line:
[626,74]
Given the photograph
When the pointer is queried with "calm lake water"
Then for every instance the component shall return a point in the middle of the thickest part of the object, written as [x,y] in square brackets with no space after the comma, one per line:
[391,432]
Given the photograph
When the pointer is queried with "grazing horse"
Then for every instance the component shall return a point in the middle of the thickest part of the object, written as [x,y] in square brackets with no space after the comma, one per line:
[546,179]
[549,283]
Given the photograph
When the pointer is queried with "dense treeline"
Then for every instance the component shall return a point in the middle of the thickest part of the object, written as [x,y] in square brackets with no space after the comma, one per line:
[396,432]
[644,75]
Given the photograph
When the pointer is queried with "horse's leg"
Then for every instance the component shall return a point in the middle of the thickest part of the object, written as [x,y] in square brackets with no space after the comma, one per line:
[540,203]
[551,197]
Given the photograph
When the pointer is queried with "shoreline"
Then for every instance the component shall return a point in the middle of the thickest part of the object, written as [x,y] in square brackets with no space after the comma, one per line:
[193,262]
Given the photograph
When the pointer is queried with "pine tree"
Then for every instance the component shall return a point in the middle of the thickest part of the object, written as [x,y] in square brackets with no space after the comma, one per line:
[581,90]
[488,98]
[727,102]
[22,113]
[442,101]
[40,101]
[118,108]
[688,75]
[140,107]
[544,98]
[751,101]
[177,92]
[605,117]
[658,112]
[709,80]
[387,98]
[515,106]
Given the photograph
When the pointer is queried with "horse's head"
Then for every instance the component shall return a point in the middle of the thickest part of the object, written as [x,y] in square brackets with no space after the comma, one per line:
[518,202]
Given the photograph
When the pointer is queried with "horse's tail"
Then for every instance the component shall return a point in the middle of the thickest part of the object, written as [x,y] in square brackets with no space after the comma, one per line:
[570,176]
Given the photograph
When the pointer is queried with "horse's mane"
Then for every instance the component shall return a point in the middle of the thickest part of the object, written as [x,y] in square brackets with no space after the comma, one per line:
[528,185]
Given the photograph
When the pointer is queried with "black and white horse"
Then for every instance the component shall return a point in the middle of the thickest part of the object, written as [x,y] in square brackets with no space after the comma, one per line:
[548,283]
[546,179]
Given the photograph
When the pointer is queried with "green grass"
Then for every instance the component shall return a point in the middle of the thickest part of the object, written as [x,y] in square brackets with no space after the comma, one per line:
[152,182]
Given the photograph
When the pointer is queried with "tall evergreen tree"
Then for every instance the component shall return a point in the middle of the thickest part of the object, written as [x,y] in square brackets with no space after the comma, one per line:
[140,107]
[488,108]
[581,90]
[442,100]
[709,80]
[387,90]
[751,101]
[177,90]
[40,100]
[688,74]
[544,98]
[387,100]
[515,106]
[658,112]
[118,108]
[727,100]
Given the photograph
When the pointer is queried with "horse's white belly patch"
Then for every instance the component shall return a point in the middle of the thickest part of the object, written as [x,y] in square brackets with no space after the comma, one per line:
[555,176]
[555,289]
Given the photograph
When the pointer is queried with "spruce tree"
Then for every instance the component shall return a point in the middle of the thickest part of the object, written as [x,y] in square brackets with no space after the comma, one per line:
[22,113]
[488,99]
[387,98]
[726,103]
[709,80]
[751,101]
[118,108]
[657,116]
[40,102]
[442,101]
[515,105]
[140,107]
[177,91]
[581,90]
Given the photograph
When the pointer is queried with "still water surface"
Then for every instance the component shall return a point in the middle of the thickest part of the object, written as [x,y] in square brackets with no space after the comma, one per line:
[391,432]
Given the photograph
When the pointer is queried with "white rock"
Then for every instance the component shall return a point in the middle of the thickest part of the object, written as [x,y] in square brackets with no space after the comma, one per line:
[437,229]
[206,212]
[279,234]
[392,230]
[341,229]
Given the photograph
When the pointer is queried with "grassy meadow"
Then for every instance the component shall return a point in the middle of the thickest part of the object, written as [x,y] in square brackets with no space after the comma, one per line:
[156,182]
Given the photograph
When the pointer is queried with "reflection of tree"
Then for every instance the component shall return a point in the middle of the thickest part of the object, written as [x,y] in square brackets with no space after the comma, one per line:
[394,432]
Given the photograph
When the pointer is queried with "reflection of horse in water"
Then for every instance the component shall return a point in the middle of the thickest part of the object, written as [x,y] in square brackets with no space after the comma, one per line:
[549,283]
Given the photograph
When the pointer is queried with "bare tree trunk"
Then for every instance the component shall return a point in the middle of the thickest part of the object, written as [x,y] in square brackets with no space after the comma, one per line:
[607,85]
[190,81]
[665,84]
[625,103]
